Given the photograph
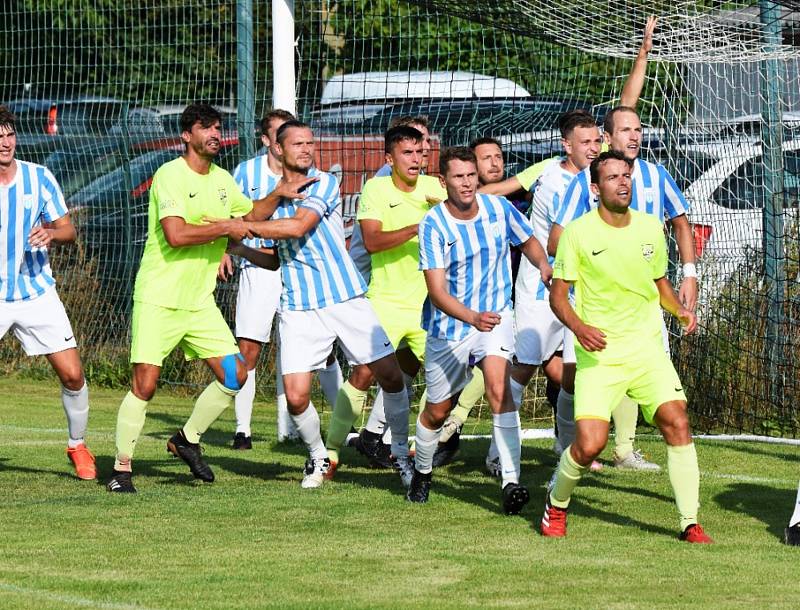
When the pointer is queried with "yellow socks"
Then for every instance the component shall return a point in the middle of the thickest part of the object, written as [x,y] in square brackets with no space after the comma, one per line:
[567,476]
[684,475]
[208,407]
[130,421]
[349,405]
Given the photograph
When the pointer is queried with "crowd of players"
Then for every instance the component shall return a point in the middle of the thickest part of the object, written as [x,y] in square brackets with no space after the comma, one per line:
[427,282]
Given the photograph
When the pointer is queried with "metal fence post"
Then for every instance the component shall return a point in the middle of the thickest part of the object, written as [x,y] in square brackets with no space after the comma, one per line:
[245,77]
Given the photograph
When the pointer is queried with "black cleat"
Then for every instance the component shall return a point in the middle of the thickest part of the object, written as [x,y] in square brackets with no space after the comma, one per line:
[420,487]
[242,442]
[791,535]
[121,482]
[515,497]
[446,452]
[370,445]
[192,454]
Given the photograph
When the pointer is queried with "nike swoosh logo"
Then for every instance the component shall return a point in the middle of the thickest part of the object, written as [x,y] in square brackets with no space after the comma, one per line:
[387,344]
[450,243]
[679,389]
[253,188]
[394,205]
[596,252]
[69,338]
[503,349]
[191,195]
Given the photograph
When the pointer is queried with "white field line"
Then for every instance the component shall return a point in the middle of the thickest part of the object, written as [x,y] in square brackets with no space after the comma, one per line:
[68,599]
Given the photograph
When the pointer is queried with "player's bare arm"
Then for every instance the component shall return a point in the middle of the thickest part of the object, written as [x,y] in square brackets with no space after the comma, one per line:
[378,240]
[632,89]
[506,187]
[260,257]
[288,189]
[683,236]
[534,252]
[302,223]
[179,233]
[591,339]
[436,281]
[670,303]
[61,231]
[552,239]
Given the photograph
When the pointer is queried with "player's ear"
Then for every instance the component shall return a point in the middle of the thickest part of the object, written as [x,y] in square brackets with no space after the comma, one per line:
[595,189]
[567,147]
[388,159]
[442,182]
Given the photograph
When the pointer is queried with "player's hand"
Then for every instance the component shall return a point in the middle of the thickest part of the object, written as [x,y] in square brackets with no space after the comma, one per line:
[295,189]
[546,272]
[225,270]
[688,320]
[432,201]
[591,339]
[687,294]
[238,229]
[485,320]
[40,237]
[647,39]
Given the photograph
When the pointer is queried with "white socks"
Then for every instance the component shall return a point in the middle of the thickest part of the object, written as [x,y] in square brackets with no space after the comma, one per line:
[76,408]
[426,443]
[330,380]
[307,424]
[565,417]
[516,392]
[243,403]
[796,514]
[396,407]
[508,437]
[377,417]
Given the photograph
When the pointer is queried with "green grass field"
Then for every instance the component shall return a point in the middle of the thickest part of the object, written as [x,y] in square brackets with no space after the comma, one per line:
[254,539]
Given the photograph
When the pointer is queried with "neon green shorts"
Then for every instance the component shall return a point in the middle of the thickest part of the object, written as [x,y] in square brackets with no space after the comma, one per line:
[650,381]
[402,326]
[156,331]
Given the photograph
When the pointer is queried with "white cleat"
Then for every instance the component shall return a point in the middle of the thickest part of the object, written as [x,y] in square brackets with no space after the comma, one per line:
[635,461]
[314,473]
[493,468]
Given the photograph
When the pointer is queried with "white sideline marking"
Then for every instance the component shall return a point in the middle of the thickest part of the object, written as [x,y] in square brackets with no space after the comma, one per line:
[12,428]
[70,599]
[745,478]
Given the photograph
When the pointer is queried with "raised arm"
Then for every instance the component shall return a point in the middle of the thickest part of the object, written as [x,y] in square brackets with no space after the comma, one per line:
[265,208]
[302,223]
[632,89]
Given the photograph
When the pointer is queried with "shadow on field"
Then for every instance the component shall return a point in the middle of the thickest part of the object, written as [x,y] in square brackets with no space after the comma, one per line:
[8,465]
[757,449]
[769,505]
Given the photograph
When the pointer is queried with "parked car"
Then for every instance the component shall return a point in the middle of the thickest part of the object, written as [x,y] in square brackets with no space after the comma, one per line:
[151,122]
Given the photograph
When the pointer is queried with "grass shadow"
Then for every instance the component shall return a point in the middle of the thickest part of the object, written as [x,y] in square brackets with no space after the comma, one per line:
[767,504]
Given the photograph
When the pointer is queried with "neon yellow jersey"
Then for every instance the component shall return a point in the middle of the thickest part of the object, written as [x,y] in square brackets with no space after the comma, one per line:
[613,270]
[396,278]
[528,176]
[185,277]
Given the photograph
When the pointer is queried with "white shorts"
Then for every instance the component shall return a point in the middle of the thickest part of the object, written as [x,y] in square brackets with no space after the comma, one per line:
[307,336]
[569,343]
[256,303]
[538,334]
[41,325]
[447,368]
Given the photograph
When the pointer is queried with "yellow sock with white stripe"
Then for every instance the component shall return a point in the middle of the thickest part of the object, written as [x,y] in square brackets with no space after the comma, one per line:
[684,475]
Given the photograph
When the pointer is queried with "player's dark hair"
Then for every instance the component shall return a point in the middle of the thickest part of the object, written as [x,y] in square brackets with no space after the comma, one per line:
[608,122]
[409,121]
[568,121]
[455,153]
[280,135]
[8,118]
[481,141]
[594,168]
[275,113]
[395,135]
[205,114]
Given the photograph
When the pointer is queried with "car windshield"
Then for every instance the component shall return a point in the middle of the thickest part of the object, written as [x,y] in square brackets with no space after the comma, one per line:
[74,169]
[744,189]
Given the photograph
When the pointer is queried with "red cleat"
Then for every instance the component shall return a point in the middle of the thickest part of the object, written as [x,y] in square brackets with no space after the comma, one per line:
[554,521]
[331,472]
[83,460]
[694,533]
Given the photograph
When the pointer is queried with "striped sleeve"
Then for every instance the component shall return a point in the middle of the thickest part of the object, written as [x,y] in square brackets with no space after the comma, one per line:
[675,203]
[575,202]
[323,196]
[54,205]
[431,245]
[240,177]
[518,227]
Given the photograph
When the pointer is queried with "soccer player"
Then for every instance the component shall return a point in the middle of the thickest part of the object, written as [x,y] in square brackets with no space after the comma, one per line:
[464,254]
[322,301]
[173,298]
[616,258]
[34,216]
[260,289]
[792,532]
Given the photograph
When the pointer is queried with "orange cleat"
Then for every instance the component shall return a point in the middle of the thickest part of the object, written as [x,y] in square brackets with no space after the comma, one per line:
[331,472]
[83,460]
[554,521]
[694,533]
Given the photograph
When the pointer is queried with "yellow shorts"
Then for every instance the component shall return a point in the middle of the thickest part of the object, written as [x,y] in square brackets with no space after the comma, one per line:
[650,381]
[403,327]
[156,331]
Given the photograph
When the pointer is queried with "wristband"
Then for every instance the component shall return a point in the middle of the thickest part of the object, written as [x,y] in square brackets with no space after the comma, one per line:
[689,270]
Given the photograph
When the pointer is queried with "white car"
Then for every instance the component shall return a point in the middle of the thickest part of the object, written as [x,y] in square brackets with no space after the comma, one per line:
[727,210]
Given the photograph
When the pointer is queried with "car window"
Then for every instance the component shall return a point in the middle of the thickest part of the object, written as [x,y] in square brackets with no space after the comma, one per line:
[743,190]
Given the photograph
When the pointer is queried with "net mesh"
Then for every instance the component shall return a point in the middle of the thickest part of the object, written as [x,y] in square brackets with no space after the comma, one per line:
[97,85]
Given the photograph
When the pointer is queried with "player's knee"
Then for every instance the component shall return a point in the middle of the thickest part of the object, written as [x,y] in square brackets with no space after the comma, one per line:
[676,429]
[297,401]
[143,389]
[234,373]
[584,450]
[73,380]
[361,377]
[495,392]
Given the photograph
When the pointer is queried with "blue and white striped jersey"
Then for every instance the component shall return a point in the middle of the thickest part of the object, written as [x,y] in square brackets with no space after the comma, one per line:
[256,180]
[317,271]
[475,256]
[32,198]
[654,192]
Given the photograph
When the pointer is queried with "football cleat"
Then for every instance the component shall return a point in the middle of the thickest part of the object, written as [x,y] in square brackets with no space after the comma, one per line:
[446,451]
[83,461]
[791,535]
[635,461]
[121,482]
[515,497]
[331,471]
[493,468]
[404,465]
[554,520]
[242,442]
[192,454]
[314,472]
[420,487]
[370,445]
[451,426]
[694,533]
